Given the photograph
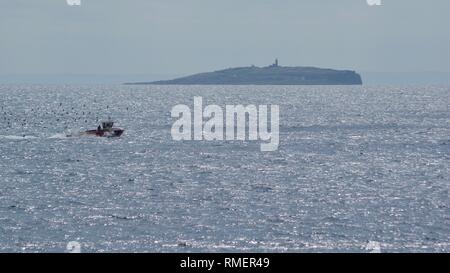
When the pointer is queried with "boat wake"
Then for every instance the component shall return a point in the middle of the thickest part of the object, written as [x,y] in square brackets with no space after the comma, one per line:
[14,137]
[25,137]
[58,136]
[106,129]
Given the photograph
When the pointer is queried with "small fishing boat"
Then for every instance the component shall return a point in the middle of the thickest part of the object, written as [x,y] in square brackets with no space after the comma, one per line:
[106,129]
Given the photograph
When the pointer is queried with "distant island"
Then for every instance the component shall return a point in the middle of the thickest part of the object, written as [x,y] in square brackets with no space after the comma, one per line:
[270,75]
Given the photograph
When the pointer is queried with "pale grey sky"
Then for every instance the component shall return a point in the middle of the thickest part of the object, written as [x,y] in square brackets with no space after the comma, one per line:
[188,36]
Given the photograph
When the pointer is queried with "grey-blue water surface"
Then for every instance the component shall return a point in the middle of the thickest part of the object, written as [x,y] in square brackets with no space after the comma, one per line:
[354,165]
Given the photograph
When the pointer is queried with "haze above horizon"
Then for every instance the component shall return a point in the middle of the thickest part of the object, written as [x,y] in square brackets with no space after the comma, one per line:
[174,37]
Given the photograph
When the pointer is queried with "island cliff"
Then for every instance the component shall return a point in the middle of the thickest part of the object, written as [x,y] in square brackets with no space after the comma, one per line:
[269,75]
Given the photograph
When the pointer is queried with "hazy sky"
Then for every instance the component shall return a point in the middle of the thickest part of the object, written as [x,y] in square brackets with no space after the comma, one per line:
[186,36]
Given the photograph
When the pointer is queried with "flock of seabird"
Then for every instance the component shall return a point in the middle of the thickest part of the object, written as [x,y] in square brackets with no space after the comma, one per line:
[63,115]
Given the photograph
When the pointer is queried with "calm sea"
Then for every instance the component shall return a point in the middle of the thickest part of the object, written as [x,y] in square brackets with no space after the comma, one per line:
[354,165]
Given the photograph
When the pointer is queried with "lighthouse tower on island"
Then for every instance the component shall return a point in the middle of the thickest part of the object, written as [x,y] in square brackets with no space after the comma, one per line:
[275,64]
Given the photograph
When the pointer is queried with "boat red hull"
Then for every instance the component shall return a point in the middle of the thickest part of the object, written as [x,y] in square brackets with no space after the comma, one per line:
[115,132]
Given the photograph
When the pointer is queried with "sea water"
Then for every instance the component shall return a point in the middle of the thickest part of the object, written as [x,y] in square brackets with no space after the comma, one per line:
[355,167]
